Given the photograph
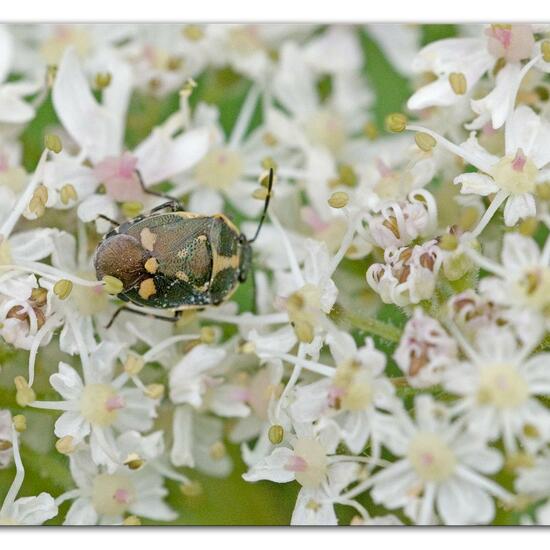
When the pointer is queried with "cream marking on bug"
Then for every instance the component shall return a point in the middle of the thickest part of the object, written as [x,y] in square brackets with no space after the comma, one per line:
[148,239]
[182,276]
[151,265]
[147,288]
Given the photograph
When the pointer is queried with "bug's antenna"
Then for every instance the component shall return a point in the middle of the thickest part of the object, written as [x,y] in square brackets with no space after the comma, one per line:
[266,205]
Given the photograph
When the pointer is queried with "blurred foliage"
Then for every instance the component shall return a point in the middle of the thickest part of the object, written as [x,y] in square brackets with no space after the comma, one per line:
[229,501]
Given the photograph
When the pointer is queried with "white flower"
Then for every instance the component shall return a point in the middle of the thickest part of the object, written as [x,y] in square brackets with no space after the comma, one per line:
[352,398]
[104,497]
[398,224]
[309,461]
[440,466]
[522,279]
[5,438]
[97,405]
[408,274]
[498,385]
[198,442]
[425,349]
[25,510]
[472,58]
[514,176]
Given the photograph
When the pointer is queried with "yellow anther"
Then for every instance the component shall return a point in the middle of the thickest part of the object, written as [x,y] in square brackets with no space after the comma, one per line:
[425,141]
[208,335]
[24,395]
[134,461]
[304,331]
[276,434]
[53,143]
[260,194]
[65,445]
[37,206]
[68,193]
[339,199]
[154,391]
[545,50]
[458,83]
[191,489]
[63,288]
[112,285]
[41,192]
[20,422]
[133,364]
[269,139]
[347,175]
[131,521]
[193,32]
[188,87]
[528,227]
[543,191]
[5,445]
[269,163]
[370,130]
[51,73]
[448,242]
[217,450]
[396,122]
[132,209]
[102,80]
[247,348]
[39,296]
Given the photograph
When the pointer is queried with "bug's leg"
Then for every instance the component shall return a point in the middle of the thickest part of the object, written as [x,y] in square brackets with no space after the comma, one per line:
[173,203]
[174,319]
[107,219]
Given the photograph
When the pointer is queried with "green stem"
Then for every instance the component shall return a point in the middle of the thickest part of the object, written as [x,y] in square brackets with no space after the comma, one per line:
[374,326]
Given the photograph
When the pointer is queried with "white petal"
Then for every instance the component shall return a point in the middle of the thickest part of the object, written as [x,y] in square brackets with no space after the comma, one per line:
[161,157]
[72,423]
[35,510]
[206,201]
[519,207]
[521,130]
[461,503]
[272,467]
[67,382]
[89,124]
[81,512]
[182,448]
[476,183]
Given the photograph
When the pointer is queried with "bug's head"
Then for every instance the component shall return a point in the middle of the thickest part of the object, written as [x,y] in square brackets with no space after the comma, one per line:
[123,257]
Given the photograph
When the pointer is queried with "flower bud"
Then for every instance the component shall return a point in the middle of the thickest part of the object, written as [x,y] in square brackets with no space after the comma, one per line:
[65,445]
[25,395]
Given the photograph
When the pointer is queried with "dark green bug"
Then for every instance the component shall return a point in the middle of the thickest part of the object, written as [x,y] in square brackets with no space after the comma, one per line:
[178,260]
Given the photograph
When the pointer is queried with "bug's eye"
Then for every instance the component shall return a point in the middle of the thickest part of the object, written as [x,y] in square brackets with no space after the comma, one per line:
[242,239]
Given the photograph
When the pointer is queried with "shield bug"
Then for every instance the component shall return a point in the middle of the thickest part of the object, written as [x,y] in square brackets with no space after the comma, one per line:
[177,260]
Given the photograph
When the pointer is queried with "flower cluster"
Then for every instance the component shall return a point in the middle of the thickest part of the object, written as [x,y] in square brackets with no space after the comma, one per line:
[389,352]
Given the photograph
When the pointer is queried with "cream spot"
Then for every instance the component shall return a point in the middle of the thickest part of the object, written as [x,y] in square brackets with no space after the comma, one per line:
[181,275]
[151,265]
[147,288]
[148,239]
